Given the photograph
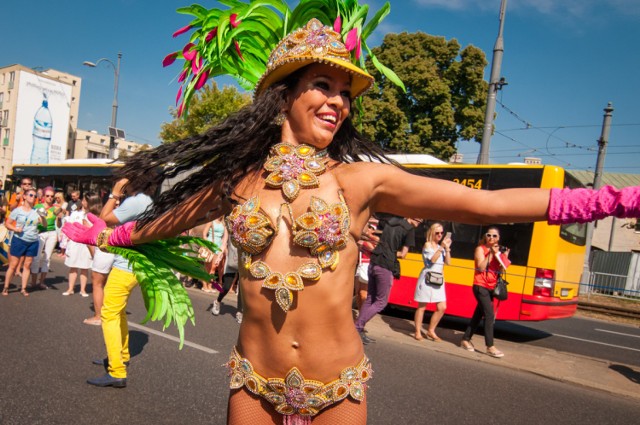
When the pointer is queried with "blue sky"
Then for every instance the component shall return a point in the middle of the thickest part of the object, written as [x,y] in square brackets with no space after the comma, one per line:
[563,60]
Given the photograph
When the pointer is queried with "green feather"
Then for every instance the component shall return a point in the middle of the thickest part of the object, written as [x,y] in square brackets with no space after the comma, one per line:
[154,265]
[262,24]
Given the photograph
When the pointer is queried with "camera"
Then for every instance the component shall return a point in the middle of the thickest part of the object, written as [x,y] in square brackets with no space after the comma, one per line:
[503,248]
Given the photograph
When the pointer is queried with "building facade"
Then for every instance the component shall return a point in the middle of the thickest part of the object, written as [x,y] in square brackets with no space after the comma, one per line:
[91,144]
[38,115]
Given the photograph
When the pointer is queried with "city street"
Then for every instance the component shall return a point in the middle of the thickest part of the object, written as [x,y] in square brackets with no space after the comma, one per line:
[46,354]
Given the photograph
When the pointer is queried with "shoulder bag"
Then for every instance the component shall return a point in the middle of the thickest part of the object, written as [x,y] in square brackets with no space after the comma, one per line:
[500,290]
[434,278]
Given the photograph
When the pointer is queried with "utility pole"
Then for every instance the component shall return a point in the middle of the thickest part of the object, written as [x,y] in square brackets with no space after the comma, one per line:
[495,84]
[597,179]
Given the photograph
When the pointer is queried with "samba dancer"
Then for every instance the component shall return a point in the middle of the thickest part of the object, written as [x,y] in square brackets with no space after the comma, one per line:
[285,172]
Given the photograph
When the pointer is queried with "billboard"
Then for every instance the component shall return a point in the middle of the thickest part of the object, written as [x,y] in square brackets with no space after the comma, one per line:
[42,120]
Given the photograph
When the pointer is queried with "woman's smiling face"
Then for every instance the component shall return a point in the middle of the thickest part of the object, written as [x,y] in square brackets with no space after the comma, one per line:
[317,106]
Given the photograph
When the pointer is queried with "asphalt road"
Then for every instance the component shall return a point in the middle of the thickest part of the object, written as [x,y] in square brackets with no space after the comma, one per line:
[608,341]
[46,355]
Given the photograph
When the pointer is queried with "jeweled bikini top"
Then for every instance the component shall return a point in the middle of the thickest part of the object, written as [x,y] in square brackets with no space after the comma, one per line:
[324,229]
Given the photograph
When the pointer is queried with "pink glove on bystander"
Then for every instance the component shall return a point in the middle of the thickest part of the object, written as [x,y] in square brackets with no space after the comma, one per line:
[584,205]
[77,232]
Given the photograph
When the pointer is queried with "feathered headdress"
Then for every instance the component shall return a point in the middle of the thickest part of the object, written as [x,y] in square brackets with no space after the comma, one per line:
[238,41]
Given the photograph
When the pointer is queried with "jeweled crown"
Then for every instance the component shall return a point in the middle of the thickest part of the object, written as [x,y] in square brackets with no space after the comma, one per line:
[313,43]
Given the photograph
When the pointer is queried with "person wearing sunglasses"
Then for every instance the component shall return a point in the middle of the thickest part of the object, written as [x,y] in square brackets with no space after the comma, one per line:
[48,238]
[489,261]
[23,222]
[436,252]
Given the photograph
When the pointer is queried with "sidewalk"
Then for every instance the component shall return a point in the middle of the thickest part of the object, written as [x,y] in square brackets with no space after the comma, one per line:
[585,371]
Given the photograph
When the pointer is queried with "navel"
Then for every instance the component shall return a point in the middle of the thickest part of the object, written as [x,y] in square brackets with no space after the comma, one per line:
[295,344]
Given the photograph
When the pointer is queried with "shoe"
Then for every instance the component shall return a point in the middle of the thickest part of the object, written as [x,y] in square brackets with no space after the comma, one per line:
[65,293]
[105,363]
[84,294]
[188,283]
[92,321]
[239,317]
[467,345]
[433,337]
[215,308]
[365,339]
[417,337]
[107,380]
[24,292]
[494,352]
[5,292]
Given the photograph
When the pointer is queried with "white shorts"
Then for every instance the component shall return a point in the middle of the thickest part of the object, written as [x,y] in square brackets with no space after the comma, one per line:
[102,261]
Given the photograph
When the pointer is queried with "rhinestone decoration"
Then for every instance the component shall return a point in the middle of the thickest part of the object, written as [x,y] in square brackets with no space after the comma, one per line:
[293,167]
[313,39]
[314,43]
[296,395]
[324,229]
[250,228]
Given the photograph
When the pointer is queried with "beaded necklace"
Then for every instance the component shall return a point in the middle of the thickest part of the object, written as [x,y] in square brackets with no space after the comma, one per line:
[323,230]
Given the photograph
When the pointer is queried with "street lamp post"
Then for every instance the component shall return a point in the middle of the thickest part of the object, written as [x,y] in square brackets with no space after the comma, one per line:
[114,111]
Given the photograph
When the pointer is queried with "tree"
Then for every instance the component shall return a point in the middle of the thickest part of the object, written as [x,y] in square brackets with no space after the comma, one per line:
[445,98]
[208,107]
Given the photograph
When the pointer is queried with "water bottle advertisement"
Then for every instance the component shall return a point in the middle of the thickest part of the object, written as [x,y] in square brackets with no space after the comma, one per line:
[42,121]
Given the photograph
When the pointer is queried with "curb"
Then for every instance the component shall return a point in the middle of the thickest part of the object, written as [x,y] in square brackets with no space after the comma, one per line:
[613,378]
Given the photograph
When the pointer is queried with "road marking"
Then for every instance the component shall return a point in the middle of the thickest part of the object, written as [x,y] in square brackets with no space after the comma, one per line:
[173,338]
[618,333]
[597,342]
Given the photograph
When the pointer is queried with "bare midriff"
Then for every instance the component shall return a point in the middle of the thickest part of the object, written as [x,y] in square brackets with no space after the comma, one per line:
[317,334]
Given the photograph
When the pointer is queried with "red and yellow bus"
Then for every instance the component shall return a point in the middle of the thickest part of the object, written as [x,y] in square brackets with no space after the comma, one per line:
[546,260]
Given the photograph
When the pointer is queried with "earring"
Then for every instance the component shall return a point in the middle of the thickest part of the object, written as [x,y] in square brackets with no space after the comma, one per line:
[279,119]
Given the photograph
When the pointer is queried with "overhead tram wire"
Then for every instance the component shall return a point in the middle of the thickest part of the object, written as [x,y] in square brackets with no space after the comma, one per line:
[529,126]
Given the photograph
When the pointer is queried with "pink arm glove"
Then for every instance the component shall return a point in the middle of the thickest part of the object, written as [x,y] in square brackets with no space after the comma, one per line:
[583,205]
[77,232]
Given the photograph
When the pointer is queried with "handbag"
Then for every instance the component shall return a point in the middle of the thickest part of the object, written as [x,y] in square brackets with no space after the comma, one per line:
[500,290]
[396,269]
[435,278]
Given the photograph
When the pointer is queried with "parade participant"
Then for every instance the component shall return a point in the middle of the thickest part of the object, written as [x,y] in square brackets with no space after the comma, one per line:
[100,265]
[285,171]
[48,238]
[23,222]
[127,201]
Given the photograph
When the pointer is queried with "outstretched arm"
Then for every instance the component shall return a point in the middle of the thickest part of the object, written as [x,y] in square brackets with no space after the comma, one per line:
[386,188]
[204,205]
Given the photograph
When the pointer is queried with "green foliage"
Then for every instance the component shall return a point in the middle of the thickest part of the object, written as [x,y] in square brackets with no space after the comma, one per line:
[209,106]
[445,95]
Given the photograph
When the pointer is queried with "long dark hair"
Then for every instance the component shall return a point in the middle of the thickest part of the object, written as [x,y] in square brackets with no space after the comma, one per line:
[231,150]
